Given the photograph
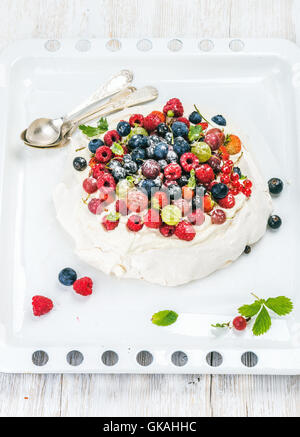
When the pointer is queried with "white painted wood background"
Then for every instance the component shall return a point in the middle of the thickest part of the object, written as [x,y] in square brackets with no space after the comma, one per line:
[156,395]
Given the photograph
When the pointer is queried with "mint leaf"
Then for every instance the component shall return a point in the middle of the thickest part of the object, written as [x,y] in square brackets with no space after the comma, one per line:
[250,310]
[113,216]
[192,180]
[195,133]
[117,149]
[262,323]
[91,131]
[281,305]
[164,318]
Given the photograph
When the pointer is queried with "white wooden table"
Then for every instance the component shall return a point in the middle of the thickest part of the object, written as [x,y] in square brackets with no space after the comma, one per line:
[133,395]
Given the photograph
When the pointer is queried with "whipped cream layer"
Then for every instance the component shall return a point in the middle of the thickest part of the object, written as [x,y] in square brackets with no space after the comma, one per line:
[147,254]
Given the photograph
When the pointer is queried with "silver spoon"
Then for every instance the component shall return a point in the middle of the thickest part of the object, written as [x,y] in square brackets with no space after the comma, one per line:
[44,131]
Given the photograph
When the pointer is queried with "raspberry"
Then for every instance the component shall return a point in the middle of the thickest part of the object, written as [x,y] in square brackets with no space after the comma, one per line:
[183,205]
[109,224]
[197,217]
[167,230]
[174,108]
[172,172]
[240,323]
[205,174]
[111,137]
[135,223]
[185,231]
[136,201]
[93,162]
[136,119]
[228,201]
[189,161]
[83,286]
[41,305]
[185,121]
[106,181]
[152,219]
[99,170]
[95,206]
[121,207]
[159,200]
[151,122]
[104,154]
[160,115]
[90,185]
[204,125]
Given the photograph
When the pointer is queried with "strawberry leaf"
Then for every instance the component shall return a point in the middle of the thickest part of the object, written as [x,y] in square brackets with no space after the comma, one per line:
[262,323]
[281,305]
[164,318]
[250,310]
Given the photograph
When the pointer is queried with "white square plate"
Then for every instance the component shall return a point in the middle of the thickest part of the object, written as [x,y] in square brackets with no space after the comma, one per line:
[257,89]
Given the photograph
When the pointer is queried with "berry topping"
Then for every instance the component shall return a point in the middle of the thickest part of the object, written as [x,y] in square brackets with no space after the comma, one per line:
[90,185]
[167,230]
[162,129]
[149,186]
[215,163]
[185,231]
[161,151]
[79,163]
[208,203]
[123,128]
[233,144]
[83,286]
[214,138]
[274,222]
[104,154]
[98,170]
[185,121]
[228,202]
[275,186]
[197,217]
[219,191]
[205,174]
[121,207]
[95,206]
[171,215]
[218,217]
[106,181]
[159,200]
[173,189]
[138,156]
[111,137]
[151,122]
[181,146]
[152,219]
[220,120]
[151,169]
[180,129]
[173,108]
[136,201]
[41,305]
[136,119]
[188,162]
[238,171]
[172,172]
[239,323]
[95,144]
[160,115]
[111,221]
[135,223]
[67,276]
[202,151]
[195,117]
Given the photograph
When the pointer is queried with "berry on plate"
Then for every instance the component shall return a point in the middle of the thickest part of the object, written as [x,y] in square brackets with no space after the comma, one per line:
[219,191]
[151,122]
[135,223]
[218,217]
[136,201]
[123,128]
[275,185]
[167,230]
[172,172]
[111,137]
[152,219]
[197,217]
[136,119]
[274,222]
[95,206]
[41,305]
[220,120]
[83,286]
[95,144]
[79,163]
[173,108]
[90,185]
[185,231]
[104,154]
[106,181]
[150,169]
[239,323]
[228,202]
[171,215]
[111,221]
[180,129]
[205,174]
[188,162]
[185,121]
[160,115]
[67,276]
[195,117]
[202,151]
[233,144]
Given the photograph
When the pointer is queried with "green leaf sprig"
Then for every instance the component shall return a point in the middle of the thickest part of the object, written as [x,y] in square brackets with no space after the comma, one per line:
[90,131]
[164,318]
[117,149]
[259,309]
[192,180]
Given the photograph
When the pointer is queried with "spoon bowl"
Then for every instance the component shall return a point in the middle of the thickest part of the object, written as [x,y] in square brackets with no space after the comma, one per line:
[44,132]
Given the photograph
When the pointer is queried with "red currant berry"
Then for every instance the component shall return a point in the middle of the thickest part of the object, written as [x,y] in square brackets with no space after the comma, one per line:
[235,177]
[225,179]
[247,184]
[247,192]
[240,323]
[230,163]
[226,169]
[235,191]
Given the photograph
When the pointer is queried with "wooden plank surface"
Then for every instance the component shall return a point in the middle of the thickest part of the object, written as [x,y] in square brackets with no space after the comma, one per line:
[136,395]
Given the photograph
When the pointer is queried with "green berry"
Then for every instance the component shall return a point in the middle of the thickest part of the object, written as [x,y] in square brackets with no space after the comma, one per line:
[171,215]
[202,151]
[123,187]
[138,131]
[170,114]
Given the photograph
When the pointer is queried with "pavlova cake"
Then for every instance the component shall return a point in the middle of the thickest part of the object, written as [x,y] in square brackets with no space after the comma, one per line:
[161,197]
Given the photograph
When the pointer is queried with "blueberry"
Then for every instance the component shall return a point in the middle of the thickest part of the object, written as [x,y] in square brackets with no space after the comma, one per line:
[169,138]
[153,140]
[195,117]
[150,152]
[163,163]
[238,171]
[119,173]
[247,250]
[174,191]
[184,180]
[149,186]
[274,222]
[181,146]
[136,141]
[79,163]
[67,276]
[275,186]
[127,158]
[138,156]
[161,150]
[95,144]
[180,129]
[219,191]
[144,142]
[123,128]
[220,120]
[114,164]
[162,129]
[172,156]
[131,167]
